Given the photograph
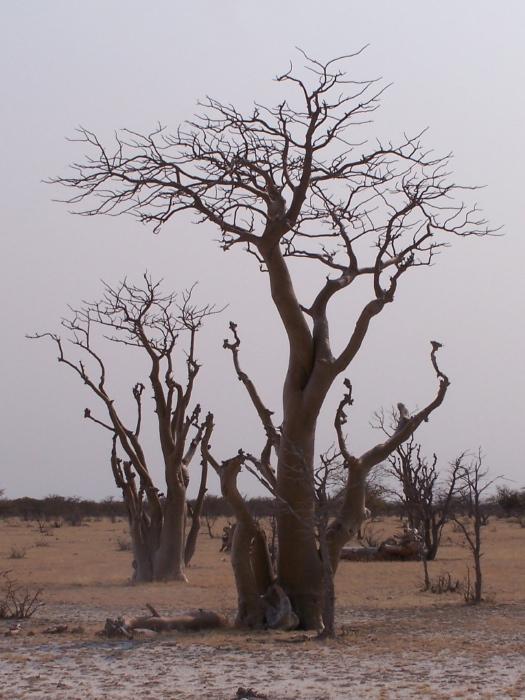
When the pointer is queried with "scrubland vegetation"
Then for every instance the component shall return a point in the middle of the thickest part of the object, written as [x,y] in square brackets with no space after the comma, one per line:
[60,542]
[441,647]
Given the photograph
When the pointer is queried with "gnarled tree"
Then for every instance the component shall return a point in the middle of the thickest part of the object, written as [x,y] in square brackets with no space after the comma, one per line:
[428,502]
[291,184]
[146,318]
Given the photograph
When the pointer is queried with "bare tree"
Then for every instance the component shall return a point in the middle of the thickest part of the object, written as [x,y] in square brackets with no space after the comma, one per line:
[472,485]
[294,183]
[146,318]
[427,500]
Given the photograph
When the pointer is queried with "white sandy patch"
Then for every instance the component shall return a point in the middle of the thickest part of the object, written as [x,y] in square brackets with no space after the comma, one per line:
[443,661]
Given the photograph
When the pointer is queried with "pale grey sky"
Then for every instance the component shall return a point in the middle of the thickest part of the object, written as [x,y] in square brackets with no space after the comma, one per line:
[456,66]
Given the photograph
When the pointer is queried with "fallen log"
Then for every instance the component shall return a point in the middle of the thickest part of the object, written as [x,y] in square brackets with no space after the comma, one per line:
[57,629]
[191,622]
[385,552]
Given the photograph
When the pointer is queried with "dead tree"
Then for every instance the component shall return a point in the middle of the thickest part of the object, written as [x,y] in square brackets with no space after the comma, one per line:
[146,318]
[427,501]
[472,485]
[296,183]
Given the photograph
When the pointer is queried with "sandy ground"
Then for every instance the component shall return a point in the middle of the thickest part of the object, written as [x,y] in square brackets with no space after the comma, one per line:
[393,640]
[451,651]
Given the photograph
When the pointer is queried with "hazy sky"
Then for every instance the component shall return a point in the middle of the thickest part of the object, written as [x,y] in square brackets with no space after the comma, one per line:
[455,66]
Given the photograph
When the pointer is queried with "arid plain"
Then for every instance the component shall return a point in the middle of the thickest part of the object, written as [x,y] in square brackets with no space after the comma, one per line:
[394,641]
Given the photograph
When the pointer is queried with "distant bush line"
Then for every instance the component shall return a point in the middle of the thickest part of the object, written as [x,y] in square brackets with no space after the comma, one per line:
[73,511]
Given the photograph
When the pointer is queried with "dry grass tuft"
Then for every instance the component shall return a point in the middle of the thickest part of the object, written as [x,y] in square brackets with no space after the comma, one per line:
[123,544]
[17,553]
[444,583]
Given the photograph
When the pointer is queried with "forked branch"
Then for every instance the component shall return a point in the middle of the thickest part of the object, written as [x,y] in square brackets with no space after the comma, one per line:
[352,511]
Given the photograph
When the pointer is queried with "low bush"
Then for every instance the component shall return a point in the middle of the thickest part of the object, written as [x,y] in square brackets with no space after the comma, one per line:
[17,553]
[17,602]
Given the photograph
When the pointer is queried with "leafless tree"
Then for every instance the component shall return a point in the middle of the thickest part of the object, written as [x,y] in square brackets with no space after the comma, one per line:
[295,183]
[427,500]
[472,485]
[143,317]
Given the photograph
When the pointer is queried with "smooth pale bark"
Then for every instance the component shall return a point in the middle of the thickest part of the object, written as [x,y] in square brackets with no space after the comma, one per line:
[300,569]
[351,514]
[261,601]
[250,605]
[142,561]
[158,538]
[169,558]
[311,372]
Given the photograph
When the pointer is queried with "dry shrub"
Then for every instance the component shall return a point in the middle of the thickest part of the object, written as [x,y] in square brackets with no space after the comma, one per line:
[444,584]
[370,536]
[469,592]
[42,526]
[17,553]
[16,602]
[123,545]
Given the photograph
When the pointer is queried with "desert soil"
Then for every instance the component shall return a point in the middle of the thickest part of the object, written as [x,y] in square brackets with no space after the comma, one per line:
[393,640]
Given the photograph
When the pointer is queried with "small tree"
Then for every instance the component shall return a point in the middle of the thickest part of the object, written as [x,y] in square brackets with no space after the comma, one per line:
[511,501]
[295,185]
[427,501]
[4,504]
[472,484]
[145,318]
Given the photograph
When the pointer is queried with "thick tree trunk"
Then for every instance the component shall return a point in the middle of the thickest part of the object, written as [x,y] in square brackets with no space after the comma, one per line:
[300,569]
[169,558]
[164,561]
[142,555]
[261,601]
[251,581]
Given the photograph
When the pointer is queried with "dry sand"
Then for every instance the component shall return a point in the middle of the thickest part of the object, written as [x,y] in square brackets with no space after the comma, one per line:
[393,641]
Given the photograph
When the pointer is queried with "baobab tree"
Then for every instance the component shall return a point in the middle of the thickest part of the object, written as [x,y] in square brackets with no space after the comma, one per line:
[293,185]
[157,323]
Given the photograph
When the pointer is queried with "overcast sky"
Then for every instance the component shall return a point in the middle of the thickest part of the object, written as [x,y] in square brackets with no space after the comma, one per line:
[457,67]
